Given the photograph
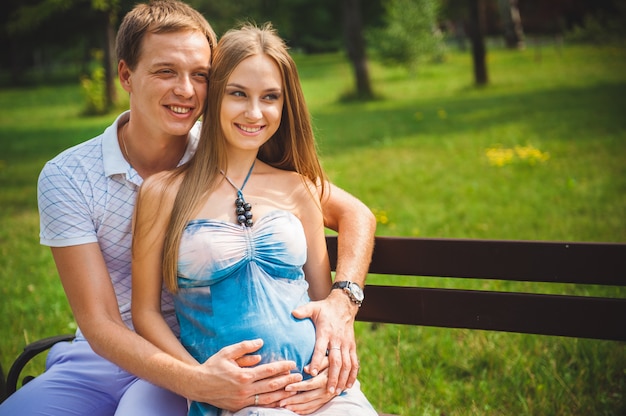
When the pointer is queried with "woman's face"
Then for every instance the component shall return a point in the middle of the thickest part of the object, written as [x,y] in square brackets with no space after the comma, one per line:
[253,102]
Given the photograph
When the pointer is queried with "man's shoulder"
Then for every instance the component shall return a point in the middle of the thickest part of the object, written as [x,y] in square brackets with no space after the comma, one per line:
[76,161]
[91,148]
[89,152]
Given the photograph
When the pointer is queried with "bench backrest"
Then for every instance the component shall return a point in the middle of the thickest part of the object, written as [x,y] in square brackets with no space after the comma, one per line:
[536,261]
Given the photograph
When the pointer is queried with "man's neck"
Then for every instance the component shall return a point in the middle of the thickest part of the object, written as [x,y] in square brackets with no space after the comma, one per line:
[153,155]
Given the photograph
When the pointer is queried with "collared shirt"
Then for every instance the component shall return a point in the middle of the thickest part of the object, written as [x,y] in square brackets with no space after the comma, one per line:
[87,194]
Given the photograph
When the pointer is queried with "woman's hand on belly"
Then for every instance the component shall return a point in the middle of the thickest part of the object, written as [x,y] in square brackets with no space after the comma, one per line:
[312,394]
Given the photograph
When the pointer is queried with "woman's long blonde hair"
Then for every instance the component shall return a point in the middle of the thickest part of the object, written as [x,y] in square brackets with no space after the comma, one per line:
[291,148]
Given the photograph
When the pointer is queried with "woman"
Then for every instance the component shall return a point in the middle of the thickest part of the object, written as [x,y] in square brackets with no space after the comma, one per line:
[238,270]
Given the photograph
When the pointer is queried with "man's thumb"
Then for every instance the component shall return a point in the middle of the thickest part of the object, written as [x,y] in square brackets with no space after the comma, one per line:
[303,311]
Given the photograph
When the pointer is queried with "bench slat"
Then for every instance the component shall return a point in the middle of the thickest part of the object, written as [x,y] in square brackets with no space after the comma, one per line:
[537,261]
[572,316]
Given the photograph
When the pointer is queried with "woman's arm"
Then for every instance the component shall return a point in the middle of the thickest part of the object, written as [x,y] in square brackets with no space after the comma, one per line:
[152,213]
[317,266]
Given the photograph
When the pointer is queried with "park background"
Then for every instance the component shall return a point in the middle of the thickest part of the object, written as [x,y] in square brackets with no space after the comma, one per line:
[468,126]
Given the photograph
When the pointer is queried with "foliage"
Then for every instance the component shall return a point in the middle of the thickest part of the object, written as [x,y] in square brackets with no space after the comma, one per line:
[35,41]
[601,27]
[419,159]
[29,16]
[410,33]
[312,26]
[94,88]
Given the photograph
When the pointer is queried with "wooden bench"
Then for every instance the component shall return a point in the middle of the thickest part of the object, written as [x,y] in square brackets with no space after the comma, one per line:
[532,261]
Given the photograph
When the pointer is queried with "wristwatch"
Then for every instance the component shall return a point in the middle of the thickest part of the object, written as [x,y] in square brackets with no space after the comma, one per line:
[353,290]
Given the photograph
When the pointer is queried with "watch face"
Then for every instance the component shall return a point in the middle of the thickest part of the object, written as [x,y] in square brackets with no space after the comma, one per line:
[356,292]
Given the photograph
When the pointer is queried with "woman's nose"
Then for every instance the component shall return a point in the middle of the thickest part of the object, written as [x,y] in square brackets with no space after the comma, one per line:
[253,110]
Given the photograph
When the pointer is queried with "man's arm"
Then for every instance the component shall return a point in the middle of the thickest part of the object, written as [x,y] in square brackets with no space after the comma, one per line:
[334,316]
[220,380]
[356,225]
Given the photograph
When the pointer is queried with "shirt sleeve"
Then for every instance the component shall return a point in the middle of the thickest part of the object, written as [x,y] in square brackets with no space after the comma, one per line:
[64,213]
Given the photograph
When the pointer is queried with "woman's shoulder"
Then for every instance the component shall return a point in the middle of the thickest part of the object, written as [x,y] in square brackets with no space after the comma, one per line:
[284,176]
[290,181]
[298,187]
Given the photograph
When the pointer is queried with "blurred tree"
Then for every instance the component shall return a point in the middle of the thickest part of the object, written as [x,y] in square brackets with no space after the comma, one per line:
[355,46]
[555,17]
[21,46]
[108,11]
[512,24]
[410,33]
[224,14]
[310,26]
[29,23]
[477,37]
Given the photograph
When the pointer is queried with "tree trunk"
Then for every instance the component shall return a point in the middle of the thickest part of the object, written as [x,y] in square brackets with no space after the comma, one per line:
[477,35]
[355,45]
[110,67]
[512,22]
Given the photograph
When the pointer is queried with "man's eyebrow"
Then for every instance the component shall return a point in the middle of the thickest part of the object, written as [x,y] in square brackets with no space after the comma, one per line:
[168,64]
[161,63]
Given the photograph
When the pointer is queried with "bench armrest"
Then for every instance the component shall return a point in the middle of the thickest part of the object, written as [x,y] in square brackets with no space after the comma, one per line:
[30,351]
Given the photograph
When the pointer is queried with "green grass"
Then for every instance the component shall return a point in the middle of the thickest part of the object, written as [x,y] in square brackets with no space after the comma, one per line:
[418,156]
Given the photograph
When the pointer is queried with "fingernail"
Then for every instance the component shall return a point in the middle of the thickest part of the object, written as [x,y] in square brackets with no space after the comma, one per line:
[314,372]
[331,390]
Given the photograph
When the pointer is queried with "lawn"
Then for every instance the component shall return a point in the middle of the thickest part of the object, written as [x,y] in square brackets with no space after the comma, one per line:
[538,154]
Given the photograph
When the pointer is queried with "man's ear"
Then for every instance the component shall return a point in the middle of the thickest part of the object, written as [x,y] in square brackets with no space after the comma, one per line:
[124,73]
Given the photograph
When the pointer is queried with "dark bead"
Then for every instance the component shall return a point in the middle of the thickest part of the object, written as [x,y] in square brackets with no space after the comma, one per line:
[247,206]
[239,202]
[249,223]
[248,215]
[240,210]
[241,219]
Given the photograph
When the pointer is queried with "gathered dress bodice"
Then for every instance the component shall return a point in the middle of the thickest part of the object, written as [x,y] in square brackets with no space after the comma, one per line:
[238,283]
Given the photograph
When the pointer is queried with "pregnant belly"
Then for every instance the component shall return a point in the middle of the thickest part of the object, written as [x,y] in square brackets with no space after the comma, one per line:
[284,338]
[205,332]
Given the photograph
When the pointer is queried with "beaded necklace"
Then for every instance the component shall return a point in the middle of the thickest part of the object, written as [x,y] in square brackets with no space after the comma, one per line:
[243,209]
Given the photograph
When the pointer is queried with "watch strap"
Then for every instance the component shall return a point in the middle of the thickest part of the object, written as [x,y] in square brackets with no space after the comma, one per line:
[345,286]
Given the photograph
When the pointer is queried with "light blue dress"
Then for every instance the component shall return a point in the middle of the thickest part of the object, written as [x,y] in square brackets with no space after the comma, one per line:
[239,283]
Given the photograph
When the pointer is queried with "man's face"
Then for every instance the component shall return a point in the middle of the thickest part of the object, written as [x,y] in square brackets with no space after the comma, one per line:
[169,85]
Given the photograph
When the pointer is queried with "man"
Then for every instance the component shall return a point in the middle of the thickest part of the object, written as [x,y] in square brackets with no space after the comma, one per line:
[86,199]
